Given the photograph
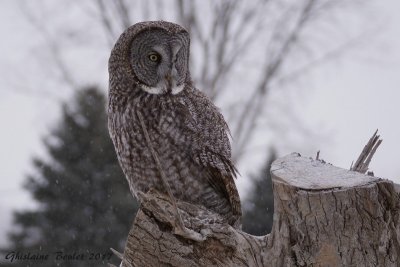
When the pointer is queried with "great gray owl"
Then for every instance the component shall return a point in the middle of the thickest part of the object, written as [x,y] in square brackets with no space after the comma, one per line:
[149,77]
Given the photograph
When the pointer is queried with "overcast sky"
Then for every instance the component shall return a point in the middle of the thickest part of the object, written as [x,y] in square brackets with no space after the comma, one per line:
[346,101]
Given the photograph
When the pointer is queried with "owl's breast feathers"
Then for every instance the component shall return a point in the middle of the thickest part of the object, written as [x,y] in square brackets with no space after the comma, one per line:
[193,126]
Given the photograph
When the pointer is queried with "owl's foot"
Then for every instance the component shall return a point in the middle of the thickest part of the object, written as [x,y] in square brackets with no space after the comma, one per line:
[180,228]
[174,217]
[188,233]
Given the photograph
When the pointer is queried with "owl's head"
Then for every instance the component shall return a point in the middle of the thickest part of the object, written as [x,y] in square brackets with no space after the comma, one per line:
[157,53]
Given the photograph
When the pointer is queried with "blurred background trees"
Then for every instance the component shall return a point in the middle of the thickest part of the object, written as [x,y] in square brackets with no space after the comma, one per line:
[258,207]
[250,57]
[84,201]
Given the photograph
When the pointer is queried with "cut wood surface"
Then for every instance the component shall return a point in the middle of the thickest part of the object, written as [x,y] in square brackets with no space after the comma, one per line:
[323,216]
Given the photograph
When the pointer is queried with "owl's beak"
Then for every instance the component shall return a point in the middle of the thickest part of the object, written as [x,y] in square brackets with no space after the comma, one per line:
[168,78]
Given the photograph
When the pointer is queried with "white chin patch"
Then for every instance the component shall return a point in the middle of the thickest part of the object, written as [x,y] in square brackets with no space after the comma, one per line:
[160,90]
[177,89]
[152,90]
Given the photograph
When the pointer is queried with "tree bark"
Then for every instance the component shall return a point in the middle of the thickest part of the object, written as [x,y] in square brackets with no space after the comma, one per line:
[324,216]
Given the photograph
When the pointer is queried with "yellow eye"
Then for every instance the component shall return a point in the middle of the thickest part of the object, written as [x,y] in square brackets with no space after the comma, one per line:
[154,57]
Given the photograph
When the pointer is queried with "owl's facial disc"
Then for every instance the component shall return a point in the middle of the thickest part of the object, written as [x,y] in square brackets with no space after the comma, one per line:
[159,61]
[167,83]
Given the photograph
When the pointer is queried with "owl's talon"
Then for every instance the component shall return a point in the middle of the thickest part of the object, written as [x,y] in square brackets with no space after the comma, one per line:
[189,234]
[205,232]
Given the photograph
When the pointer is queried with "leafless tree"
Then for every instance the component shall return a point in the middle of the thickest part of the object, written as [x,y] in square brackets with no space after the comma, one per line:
[242,51]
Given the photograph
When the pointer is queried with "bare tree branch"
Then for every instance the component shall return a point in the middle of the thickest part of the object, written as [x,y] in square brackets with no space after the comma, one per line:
[52,45]
[255,103]
[106,22]
[123,11]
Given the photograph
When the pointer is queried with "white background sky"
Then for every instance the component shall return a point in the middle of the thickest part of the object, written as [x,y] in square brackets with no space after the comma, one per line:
[346,101]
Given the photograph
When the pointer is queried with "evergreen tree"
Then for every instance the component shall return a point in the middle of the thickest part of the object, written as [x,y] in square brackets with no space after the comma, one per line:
[259,207]
[84,201]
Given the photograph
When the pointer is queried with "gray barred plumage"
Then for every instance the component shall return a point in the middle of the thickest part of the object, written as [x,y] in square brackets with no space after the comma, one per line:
[149,73]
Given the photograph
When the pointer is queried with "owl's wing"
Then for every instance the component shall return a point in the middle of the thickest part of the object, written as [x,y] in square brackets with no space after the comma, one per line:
[206,132]
[221,173]
[216,161]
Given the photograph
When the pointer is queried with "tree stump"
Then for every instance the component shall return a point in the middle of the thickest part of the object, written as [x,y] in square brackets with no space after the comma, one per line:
[324,216]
